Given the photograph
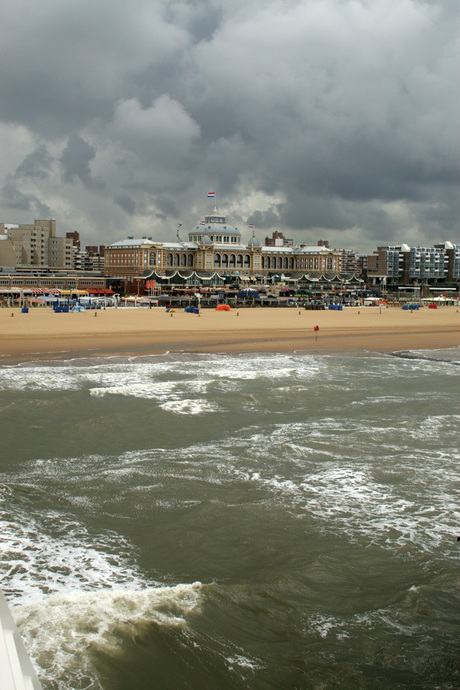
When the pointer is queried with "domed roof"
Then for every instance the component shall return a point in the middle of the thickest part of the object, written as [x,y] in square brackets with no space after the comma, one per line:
[253,242]
[215,226]
[217,223]
[212,228]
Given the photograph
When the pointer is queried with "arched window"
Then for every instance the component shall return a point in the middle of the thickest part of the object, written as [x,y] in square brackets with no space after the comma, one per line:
[291,262]
[247,261]
[190,260]
[239,261]
[232,261]
[152,258]
[224,260]
[216,260]
[280,262]
[176,259]
[285,262]
[273,261]
[169,259]
[183,259]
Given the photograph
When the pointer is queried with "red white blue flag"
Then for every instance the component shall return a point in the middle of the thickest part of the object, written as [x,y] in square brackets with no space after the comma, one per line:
[251,225]
[202,222]
[211,195]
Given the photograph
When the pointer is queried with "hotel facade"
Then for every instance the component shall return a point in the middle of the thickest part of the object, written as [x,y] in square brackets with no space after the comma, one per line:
[214,250]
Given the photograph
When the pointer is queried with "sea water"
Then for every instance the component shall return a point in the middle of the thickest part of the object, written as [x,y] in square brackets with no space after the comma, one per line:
[234,521]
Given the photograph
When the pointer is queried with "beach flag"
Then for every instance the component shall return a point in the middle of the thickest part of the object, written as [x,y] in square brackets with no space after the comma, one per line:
[211,195]
[251,225]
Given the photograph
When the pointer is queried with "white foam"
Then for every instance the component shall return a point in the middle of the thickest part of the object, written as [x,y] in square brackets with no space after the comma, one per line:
[401,498]
[244,662]
[189,407]
[116,375]
[137,390]
[50,553]
[62,630]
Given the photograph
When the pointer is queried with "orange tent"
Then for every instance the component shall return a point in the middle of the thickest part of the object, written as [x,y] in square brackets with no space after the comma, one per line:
[223,307]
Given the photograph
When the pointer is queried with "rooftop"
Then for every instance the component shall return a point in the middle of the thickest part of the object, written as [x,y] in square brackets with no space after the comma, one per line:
[132,242]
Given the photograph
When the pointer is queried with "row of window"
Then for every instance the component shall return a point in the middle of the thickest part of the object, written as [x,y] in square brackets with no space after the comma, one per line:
[302,263]
[229,261]
[217,238]
[20,282]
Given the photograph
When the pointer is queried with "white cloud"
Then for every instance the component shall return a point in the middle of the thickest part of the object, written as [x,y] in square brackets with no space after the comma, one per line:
[164,127]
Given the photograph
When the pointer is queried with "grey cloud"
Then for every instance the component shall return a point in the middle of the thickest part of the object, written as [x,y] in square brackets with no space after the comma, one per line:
[264,219]
[68,63]
[320,116]
[36,165]
[227,159]
[200,18]
[15,199]
[75,161]
[345,110]
[163,131]
[316,212]
[166,206]
[126,203]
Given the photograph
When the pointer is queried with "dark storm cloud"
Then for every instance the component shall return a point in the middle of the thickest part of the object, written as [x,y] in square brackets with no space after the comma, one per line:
[69,62]
[37,164]
[126,203]
[303,115]
[166,206]
[75,162]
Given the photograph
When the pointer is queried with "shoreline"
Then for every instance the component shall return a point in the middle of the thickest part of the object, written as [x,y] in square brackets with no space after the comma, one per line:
[42,334]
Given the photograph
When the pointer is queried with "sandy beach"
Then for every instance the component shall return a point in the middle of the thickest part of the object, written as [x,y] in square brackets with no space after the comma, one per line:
[41,332]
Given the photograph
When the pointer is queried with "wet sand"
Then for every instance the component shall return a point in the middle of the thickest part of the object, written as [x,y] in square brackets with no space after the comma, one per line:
[42,333]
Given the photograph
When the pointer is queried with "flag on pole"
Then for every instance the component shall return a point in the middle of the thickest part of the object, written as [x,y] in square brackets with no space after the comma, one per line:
[179,225]
[251,225]
[211,195]
[202,222]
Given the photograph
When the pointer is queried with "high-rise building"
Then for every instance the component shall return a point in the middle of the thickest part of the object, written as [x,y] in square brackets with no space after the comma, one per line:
[36,245]
[403,264]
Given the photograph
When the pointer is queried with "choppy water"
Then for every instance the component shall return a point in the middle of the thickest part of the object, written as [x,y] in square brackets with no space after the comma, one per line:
[216,521]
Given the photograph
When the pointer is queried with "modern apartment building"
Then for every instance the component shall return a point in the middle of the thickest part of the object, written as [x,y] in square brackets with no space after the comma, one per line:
[403,264]
[34,245]
[91,258]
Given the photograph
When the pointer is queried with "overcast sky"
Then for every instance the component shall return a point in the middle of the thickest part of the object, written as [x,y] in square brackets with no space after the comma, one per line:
[324,119]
